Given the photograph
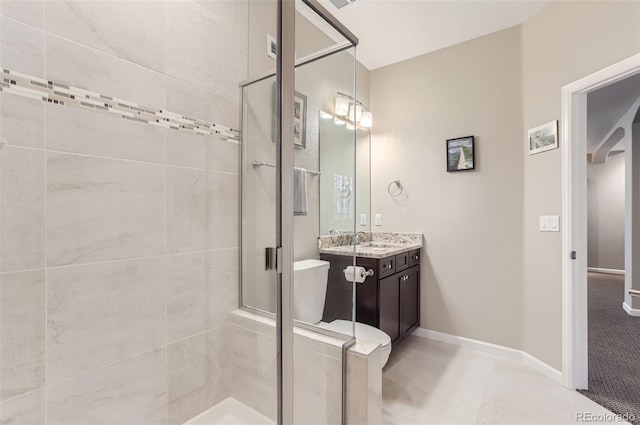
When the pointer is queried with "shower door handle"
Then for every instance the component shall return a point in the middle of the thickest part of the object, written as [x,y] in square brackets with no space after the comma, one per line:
[273,258]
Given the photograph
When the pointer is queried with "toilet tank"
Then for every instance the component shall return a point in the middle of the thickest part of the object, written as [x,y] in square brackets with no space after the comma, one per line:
[309,289]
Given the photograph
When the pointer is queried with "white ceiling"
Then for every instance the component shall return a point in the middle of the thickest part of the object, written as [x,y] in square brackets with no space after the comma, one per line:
[606,106]
[391,31]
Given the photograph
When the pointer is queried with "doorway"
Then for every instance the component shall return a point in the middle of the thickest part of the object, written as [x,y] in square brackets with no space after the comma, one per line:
[574,234]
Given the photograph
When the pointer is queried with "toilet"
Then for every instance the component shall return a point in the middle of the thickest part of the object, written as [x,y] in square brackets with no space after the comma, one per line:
[309,293]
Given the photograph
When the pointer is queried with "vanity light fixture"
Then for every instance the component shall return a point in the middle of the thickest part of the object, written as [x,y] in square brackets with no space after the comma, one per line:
[342,106]
[367,119]
[325,115]
[338,121]
[353,110]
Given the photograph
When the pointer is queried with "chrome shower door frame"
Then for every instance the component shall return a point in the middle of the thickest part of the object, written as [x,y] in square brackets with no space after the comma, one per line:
[285,88]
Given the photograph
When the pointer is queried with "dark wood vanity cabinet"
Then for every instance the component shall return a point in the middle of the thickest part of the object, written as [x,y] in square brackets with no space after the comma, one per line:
[399,303]
[389,300]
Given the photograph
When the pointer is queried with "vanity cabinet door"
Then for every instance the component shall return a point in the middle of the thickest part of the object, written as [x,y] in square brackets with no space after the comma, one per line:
[410,300]
[389,306]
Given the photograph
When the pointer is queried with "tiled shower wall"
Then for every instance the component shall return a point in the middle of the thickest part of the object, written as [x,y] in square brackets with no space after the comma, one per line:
[118,239]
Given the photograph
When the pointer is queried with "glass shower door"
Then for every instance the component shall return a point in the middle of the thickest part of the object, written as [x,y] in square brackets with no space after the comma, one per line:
[291,376]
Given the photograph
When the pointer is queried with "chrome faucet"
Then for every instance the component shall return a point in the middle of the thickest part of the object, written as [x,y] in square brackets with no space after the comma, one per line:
[354,240]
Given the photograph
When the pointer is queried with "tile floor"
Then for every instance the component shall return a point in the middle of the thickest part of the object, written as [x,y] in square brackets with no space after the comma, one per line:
[230,412]
[430,382]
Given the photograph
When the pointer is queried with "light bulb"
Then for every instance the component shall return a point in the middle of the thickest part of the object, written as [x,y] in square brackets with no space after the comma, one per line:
[350,126]
[325,115]
[342,106]
[355,112]
[367,119]
[338,121]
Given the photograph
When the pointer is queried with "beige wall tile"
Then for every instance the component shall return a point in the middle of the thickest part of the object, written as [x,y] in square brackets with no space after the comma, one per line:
[198,377]
[317,383]
[22,208]
[22,48]
[30,12]
[23,121]
[222,210]
[28,409]
[103,313]
[252,363]
[203,49]
[22,332]
[79,66]
[197,102]
[131,30]
[186,206]
[103,209]
[131,392]
[87,132]
[187,149]
[201,291]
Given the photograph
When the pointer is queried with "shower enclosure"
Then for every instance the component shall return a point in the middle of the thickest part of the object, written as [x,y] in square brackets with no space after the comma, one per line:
[124,232]
[281,179]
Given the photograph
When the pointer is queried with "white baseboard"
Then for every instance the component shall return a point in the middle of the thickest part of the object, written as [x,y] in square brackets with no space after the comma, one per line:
[631,311]
[542,367]
[496,350]
[606,271]
[485,347]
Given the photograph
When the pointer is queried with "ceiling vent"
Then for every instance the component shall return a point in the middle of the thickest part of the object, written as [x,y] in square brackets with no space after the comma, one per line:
[341,3]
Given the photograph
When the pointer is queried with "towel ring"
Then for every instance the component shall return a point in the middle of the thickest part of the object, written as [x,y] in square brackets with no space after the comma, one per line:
[399,185]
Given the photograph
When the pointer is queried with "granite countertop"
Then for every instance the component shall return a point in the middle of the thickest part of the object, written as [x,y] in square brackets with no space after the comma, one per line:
[373,245]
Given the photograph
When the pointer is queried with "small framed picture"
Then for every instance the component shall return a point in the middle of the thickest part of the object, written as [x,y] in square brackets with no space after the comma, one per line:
[461,154]
[543,138]
[300,120]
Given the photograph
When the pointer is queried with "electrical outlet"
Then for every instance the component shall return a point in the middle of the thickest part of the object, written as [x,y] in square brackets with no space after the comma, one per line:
[378,219]
[363,219]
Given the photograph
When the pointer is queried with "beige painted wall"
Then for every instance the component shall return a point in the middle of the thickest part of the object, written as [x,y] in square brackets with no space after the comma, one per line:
[606,213]
[562,43]
[472,221]
[489,273]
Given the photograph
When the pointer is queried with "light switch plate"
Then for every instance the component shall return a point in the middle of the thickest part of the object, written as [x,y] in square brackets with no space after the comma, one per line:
[378,219]
[363,219]
[549,223]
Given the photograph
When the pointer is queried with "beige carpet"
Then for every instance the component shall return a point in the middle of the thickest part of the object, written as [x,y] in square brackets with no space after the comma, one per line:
[614,348]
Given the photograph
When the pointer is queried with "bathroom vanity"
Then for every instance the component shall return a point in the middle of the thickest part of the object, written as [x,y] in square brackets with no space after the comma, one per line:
[389,299]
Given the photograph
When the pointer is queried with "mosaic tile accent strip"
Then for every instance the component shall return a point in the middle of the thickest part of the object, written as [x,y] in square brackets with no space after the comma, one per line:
[60,94]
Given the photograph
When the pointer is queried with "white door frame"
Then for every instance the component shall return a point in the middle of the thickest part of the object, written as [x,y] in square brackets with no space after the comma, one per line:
[574,209]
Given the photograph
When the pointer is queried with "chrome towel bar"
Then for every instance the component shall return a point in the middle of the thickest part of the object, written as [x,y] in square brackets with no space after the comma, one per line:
[258,164]
[634,293]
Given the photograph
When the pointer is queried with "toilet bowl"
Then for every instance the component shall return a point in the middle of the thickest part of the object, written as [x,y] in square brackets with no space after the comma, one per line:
[309,294]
